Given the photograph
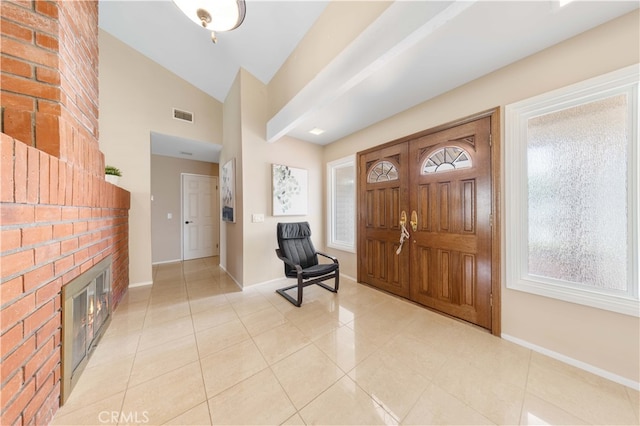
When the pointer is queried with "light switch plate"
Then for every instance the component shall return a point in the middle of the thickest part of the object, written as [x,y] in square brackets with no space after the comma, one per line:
[257,217]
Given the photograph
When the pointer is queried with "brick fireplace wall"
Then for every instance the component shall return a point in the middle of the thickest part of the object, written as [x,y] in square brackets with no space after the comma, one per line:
[58,217]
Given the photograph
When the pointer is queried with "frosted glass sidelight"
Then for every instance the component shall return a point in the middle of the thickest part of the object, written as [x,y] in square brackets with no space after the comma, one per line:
[341,204]
[344,206]
[382,171]
[577,164]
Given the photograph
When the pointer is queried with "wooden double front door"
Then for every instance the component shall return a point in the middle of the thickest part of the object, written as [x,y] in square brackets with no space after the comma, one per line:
[436,190]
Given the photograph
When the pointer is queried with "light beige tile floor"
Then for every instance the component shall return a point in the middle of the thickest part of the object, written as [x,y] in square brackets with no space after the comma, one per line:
[195,350]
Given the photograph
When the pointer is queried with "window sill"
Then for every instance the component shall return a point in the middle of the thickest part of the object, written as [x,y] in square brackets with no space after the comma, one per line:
[621,305]
[342,247]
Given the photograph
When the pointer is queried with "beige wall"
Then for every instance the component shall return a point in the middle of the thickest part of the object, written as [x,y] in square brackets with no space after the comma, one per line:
[338,25]
[231,233]
[261,263]
[166,181]
[247,249]
[136,97]
[599,338]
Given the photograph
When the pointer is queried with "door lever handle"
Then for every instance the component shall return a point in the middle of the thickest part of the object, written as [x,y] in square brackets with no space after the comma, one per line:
[404,234]
[188,222]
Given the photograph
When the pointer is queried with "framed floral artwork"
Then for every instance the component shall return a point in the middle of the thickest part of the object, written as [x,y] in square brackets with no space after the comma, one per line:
[289,191]
[228,187]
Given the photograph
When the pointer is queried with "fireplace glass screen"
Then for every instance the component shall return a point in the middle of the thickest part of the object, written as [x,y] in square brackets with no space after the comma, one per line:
[79,328]
[85,313]
[90,311]
[102,301]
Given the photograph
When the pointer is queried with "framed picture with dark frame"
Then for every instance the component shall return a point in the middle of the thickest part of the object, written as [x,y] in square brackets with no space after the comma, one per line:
[228,186]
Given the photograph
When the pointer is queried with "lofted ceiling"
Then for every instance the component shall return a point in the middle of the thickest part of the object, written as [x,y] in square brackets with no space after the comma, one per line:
[414,51]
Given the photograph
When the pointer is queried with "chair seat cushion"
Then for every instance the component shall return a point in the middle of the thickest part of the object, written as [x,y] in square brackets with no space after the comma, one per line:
[316,270]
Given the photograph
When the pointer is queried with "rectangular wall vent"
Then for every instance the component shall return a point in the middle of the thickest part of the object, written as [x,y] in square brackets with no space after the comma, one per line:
[183,115]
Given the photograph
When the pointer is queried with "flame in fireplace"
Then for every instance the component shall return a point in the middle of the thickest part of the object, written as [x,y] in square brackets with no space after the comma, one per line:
[90,320]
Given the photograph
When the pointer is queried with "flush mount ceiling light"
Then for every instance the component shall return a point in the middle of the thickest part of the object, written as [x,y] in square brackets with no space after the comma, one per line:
[316,131]
[214,15]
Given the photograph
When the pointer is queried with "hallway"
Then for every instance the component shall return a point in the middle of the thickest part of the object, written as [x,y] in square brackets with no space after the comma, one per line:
[194,350]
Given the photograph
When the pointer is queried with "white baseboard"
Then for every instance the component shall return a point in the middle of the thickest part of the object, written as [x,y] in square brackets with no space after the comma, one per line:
[574,362]
[348,277]
[231,276]
[235,281]
[166,261]
[140,284]
[265,282]
[225,270]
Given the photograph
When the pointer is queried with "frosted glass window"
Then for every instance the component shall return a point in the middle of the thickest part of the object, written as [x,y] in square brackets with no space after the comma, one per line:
[571,193]
[446,159]
[342,204]
[382,171]
[577,194]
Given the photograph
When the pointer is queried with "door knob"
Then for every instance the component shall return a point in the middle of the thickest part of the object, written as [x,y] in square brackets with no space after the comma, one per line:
[414,221]
[188,222]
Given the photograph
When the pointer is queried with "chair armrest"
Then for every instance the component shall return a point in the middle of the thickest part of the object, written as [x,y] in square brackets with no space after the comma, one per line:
[335,259]
[298,268]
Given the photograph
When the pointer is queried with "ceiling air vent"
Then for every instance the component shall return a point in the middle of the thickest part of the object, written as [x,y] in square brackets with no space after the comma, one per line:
[183,115]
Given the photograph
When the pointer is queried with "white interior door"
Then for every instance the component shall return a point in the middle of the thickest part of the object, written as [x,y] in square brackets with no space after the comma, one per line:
[200,216]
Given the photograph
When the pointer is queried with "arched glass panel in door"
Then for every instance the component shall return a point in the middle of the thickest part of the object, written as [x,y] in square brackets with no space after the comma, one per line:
[382,171]
[446,159]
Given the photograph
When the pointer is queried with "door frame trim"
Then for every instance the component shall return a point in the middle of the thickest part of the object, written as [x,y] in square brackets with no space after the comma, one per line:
[496,185]
[216,194]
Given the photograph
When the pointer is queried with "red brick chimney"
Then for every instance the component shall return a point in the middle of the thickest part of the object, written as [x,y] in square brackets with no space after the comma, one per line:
[58,216]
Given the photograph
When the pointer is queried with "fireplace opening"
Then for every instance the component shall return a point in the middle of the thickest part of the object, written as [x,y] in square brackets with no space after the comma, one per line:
[86,312]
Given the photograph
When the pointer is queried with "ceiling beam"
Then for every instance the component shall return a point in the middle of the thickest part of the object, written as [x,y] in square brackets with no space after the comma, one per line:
[375,47]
